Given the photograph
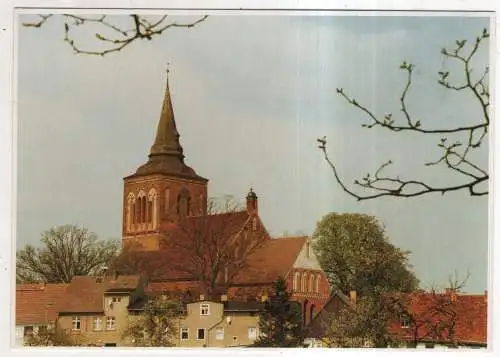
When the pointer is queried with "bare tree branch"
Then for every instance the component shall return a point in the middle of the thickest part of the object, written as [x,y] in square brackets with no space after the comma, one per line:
[456,155]
[115,37]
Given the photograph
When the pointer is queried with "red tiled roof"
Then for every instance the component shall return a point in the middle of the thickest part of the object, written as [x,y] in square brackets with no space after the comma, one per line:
[471,313]
[85,293]
[274,259]
[171,286]
[37,304]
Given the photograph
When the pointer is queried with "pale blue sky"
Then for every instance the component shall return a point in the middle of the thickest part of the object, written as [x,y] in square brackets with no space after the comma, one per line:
[251,95]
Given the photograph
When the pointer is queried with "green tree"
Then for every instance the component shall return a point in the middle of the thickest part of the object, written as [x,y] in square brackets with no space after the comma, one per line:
[459,144]
[66,251]
[280,322]
[356,254]
[157,324]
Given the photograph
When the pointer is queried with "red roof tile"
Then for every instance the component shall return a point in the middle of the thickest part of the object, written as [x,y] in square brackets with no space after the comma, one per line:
[38,304]
[274,259]
[86,293]
[471,313]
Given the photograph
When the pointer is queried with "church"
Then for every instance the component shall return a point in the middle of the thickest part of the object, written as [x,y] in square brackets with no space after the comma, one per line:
[174,236]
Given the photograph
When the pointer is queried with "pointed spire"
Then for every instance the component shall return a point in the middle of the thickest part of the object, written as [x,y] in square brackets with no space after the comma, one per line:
[167,136]
[166,155]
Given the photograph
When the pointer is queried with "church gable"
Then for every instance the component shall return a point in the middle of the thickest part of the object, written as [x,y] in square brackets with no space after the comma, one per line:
[306,258]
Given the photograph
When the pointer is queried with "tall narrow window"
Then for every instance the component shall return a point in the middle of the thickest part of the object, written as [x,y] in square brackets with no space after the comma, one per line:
[150,212]
[178,204]
[167,199]
[143,209]
[76,323]
[296,281]
[304,282]
[184,333]
[188,210]
[311,283]
[318,277]
[110,323]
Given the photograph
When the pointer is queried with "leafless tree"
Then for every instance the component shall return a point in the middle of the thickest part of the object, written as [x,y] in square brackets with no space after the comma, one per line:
[436,318]
[66,251]
[214,246]
[457,156]
[112,35]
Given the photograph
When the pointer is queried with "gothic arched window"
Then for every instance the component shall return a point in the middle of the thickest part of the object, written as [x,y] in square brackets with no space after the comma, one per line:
[304,282]
[311,283]
[296,281]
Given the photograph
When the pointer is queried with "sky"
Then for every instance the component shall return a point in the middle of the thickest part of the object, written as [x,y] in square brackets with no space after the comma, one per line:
[251,94]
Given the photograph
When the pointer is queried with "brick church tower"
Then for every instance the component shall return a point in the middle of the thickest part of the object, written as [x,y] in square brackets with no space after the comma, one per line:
[162,189]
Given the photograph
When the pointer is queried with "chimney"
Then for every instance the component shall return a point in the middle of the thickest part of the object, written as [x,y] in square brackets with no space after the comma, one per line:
[252,202]
[353,296]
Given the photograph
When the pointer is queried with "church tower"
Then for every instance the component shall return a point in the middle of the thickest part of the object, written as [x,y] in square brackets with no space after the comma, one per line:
[162,189]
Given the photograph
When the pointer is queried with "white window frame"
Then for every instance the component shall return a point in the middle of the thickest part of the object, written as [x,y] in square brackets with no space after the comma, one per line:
[198,334]
[97,326]
[116,299]
[112,326]
[253,336]
[184,329]
[204,307]
[219,333]
[405,322]
[76,323]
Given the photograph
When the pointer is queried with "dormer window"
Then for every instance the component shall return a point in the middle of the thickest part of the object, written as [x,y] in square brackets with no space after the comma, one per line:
[116,299]
[405,322]
[204,309]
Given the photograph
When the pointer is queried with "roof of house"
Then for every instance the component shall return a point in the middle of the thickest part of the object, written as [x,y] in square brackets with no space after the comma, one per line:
[37,304]
[274,259]
[471,313]
[85,293]
[427,309]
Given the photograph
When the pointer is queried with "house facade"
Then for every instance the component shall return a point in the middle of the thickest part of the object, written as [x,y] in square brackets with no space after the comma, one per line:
[95,310]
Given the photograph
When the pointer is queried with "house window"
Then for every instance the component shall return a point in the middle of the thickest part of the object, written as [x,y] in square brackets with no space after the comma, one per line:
[311,283]
[97,324]
[252,333]
[42,330]
[317,282]
[304,282]
[204,310]
[110,323]
[76,323]
[219,333]
[184,333]
[200,335]
[117,299]
[28,331]
[405,322]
